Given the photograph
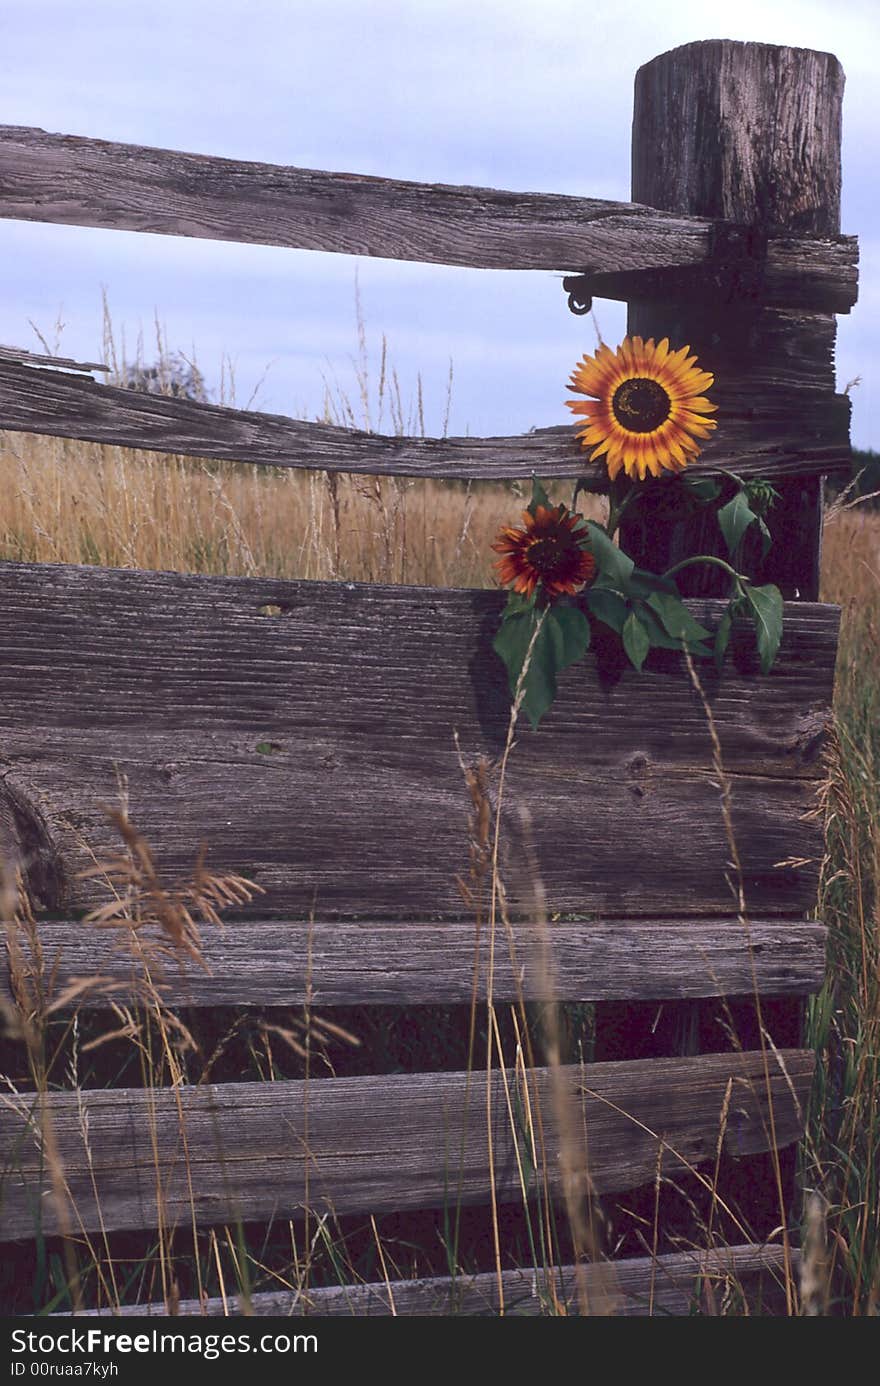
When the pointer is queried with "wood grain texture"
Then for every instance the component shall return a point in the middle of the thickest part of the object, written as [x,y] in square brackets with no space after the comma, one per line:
[82,182]
[376,1144]
[313,750]
[283,963]
[750,133]
[771,424]
[681,1283]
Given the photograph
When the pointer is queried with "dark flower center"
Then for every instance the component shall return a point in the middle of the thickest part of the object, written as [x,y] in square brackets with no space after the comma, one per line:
[640,405]
[551,555]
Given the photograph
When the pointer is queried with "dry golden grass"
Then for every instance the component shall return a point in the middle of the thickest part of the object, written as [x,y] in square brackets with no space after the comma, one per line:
[851,558]
[840,1152]
[72,502]
[851,578]
[63,501]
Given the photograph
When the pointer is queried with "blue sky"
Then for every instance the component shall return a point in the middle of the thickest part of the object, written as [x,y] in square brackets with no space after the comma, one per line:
[533,96]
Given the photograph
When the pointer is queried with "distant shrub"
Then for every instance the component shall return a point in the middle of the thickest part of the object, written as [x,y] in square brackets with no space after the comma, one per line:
[171,374]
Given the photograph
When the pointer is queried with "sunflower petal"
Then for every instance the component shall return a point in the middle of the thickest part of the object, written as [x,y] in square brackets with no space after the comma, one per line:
[655,426]
[549,550]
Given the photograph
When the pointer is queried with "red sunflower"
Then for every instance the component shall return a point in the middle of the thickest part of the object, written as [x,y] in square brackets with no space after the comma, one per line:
[547,550]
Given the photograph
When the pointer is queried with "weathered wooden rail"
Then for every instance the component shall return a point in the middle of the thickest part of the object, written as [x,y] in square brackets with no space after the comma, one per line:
[236,1152]
[298,962]
[311,732]
[81,182]
[782,425]
[207,702]
[681,1284]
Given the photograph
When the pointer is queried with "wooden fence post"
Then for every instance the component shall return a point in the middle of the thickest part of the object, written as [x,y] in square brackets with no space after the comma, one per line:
[742,132]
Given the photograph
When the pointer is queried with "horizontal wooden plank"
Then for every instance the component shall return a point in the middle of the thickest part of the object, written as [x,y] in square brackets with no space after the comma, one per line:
[768,426]
[275,963]
[83,182]
[243,1151]
[313,750]
[683,1282]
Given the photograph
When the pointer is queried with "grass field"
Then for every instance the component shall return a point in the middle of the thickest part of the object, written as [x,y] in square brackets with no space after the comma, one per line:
[64,501]
[840,1156]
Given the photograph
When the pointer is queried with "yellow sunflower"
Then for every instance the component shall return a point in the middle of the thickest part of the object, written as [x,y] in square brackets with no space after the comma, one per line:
[547,550]
[648,406]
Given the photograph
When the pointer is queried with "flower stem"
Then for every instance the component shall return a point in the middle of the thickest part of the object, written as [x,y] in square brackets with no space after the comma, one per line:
[705,558]
[616,512]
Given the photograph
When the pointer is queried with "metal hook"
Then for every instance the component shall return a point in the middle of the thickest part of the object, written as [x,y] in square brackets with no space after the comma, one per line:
[580,300]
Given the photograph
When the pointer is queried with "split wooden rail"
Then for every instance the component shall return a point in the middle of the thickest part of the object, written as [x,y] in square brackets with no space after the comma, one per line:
[355,825]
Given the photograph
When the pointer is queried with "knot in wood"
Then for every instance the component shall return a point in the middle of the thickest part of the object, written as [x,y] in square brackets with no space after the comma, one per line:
[638,771]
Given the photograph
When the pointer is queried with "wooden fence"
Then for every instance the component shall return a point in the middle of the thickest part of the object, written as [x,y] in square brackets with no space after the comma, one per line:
[355,825]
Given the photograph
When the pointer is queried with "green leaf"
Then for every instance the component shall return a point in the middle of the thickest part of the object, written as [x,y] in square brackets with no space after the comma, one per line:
[734,519]
[613,566]
[760,495]
[703,488]
[607,606]
[539,684]
[636,640]
[641,583]
[512,642]
[517,604]
[766,537]
[660,640]
[677,620]
[539,497]
[766,609]
[563,638]
[722,638]
[573,639]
